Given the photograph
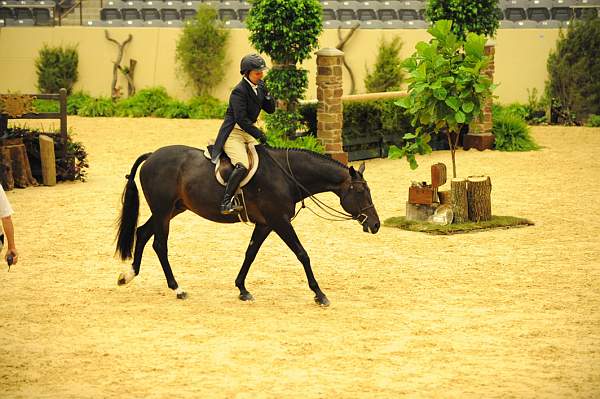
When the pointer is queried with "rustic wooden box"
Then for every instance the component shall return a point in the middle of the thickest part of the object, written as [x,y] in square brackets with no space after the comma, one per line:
[421,195]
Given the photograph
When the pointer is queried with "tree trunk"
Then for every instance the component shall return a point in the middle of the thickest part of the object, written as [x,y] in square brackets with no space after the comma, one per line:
[6,174]
[459,200]
[13,151]
[479,190]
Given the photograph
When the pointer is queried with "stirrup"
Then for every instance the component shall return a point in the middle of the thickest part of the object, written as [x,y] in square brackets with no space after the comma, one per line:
[233,206]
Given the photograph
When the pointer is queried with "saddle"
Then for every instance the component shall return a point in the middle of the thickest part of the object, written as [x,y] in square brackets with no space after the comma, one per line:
[224,167]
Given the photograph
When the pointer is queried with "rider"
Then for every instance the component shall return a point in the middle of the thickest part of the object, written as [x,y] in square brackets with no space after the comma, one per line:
[245,103]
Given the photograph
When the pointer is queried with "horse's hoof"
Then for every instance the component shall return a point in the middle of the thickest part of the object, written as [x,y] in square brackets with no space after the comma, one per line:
[322,301]
[246,297]
[121,280]
[182,295]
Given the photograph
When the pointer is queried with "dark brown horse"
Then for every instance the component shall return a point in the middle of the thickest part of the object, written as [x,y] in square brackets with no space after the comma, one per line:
[179,178]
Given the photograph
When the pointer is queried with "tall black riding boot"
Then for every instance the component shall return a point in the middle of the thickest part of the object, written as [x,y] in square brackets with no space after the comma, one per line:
[227,207]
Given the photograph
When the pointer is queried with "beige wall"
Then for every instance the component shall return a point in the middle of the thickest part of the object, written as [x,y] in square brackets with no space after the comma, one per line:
[520,57]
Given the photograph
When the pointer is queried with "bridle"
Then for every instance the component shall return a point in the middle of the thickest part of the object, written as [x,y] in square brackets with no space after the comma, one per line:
[335,215]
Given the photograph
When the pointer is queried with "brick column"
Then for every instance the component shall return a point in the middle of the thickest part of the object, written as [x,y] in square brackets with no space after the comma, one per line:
[480,134]
[329,109]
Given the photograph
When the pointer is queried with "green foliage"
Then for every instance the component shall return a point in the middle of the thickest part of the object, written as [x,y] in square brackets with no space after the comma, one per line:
[388,74]
[46,105]
[72,167]
[201,50]
[477,16]
[144,103]
[56,68]
[206,107]
[446,89]
[277,129]
[574,71]
[75,101]
[512,133]
[497,222]
[173,109]
[287,83]
[287,30]
[95,107]
[594,121]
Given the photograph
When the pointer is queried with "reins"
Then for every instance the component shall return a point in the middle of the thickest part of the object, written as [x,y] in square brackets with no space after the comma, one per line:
[336,215]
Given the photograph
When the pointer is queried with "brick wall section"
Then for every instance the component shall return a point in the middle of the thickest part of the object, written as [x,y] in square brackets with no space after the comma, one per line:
[329,109]
[485,123]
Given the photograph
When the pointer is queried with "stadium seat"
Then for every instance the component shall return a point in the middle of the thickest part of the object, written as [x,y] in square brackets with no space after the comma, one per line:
[110,14]
[169,14]
[23,13]
[130,14]
[329,14]
[586,13]
[387,10]
[20,22]
[393,24]
[367,10]
[6,13]
[176,4]
[539,10]
[113,22]
[129,4]
[153,4]
[349,24]
[562,13]
[410,10]
[134,22]
[347,10]
[243,12]
[187,13]
[150,14]
[225,14]
[42,17]
[514,10]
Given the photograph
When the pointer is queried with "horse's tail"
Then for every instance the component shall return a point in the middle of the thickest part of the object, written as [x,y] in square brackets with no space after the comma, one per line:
[129,213]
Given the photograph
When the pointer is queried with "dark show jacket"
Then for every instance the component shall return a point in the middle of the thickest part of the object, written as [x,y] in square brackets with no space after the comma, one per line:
[244,108]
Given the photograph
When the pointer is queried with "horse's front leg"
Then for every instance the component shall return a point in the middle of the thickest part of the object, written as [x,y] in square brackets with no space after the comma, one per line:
[287,233]
[259,235]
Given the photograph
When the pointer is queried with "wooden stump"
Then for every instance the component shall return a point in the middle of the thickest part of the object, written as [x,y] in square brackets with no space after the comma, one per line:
[445,197]
[48,160]
[459,200]
[6,174]
[479,189]
[13,151]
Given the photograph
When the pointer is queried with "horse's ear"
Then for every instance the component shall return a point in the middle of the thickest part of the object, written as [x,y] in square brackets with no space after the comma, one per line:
[361,168]
[352,172]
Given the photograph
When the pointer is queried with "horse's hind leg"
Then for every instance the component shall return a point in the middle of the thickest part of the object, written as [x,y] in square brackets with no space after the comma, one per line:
[161,235]
[259,235]
[143,234]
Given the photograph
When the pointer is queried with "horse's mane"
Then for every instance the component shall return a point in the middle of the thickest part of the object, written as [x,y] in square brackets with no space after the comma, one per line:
[315,155]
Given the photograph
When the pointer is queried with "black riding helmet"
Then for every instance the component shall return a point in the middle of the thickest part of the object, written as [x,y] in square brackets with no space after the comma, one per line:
[252,62]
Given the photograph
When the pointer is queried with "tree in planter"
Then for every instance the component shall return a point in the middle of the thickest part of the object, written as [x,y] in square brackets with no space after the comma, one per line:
[388,74]
[201,49]
[56,68]
[477,16]
[288,31]
[446,89]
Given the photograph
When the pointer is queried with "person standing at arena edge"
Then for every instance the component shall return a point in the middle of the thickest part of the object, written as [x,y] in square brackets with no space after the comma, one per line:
[7,225]
[247,99]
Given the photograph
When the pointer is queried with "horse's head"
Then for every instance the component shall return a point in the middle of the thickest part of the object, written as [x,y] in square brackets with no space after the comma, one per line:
[356,199]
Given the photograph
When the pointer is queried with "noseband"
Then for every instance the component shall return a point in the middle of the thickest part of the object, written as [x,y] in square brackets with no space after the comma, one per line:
[361,217]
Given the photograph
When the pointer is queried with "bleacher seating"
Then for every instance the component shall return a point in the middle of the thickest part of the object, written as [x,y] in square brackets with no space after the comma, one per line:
[370,14]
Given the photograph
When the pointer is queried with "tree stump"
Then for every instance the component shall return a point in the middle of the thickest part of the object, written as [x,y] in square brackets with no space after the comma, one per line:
[459,200]
[479,189]
[6,174]
[445,197]
[13,152]
[48,160]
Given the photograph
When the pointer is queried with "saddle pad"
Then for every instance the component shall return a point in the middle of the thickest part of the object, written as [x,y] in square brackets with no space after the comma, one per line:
[252,159]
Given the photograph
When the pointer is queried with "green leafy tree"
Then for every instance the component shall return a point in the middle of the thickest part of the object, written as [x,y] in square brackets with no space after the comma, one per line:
[56,68]
[477,16]
[574,72]
[201,50]
[446,89]
[388,74]
[288,31]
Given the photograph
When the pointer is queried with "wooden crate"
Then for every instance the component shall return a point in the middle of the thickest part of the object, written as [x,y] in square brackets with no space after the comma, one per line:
[421,195]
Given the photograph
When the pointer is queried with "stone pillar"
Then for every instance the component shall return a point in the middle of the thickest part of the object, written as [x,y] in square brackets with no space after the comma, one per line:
[329,109]
[480,134]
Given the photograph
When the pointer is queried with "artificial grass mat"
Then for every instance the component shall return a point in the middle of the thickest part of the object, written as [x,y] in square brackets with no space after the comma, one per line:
[497,222]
